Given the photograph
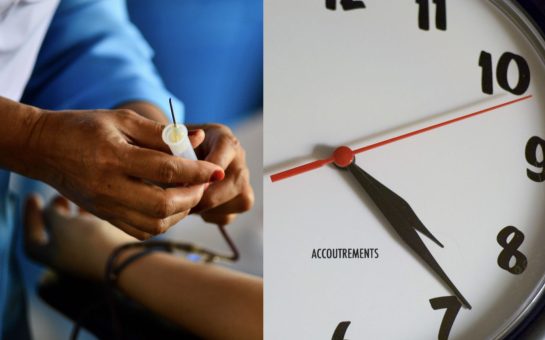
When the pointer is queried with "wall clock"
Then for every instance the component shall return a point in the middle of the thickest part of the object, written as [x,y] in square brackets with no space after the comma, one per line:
[405,175]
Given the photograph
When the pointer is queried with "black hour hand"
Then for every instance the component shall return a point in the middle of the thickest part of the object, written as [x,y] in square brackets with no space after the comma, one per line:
[403,211]
[404,221]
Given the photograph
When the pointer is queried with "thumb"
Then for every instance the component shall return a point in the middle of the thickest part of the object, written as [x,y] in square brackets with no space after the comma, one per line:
[196,137]
[35,234]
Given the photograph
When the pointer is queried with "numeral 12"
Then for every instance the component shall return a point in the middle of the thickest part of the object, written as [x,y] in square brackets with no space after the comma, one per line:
[340,331]
[346,4]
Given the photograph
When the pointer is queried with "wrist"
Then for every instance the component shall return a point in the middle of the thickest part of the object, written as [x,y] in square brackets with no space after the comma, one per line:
[19,128]
[104,248]
[43,142]
[32,151]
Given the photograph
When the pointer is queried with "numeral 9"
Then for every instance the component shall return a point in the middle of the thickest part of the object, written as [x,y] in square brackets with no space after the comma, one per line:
[536,158]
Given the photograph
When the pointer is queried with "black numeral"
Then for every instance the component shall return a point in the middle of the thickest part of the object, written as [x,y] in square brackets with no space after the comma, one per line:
[340,331]
[487,80]
[346,4]
[452,306]
[510,250]
[534,145]
[424,14]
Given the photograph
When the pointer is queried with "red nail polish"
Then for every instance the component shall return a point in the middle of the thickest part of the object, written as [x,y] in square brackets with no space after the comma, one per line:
[218,175]
[193,132]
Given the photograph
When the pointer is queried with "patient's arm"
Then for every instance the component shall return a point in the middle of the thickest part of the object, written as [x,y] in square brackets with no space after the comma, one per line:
[210,301]
[213,302]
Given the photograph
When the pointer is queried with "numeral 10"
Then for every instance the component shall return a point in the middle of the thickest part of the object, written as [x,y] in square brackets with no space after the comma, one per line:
[486,63]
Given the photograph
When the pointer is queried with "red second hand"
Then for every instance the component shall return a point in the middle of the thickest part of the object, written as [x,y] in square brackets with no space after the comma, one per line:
[319,163]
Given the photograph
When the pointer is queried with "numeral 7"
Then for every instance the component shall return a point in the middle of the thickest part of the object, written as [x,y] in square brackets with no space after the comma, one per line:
[452,306]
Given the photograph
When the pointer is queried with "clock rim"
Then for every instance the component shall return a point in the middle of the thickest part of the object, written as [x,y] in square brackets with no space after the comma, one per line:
[531,23]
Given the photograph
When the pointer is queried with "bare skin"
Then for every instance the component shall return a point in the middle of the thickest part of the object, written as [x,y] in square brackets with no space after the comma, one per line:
[224,199]
[114,164]
[211,302]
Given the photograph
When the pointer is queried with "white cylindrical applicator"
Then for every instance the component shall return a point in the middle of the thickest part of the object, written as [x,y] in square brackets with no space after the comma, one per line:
[177,138]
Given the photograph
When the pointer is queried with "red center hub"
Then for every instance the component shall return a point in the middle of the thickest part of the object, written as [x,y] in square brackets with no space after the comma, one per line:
[343,156]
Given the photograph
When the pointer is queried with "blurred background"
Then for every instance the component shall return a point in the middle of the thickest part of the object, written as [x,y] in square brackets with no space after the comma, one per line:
[209,54]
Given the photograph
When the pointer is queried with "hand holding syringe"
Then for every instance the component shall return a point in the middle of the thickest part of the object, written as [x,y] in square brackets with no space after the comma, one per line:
[177,138]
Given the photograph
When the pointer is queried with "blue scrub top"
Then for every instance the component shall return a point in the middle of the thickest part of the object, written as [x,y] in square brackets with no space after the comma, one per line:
[13,321]
[208,52]
[92,57]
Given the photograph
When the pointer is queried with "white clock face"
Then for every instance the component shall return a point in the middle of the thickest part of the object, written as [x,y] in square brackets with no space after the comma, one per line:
[360,76]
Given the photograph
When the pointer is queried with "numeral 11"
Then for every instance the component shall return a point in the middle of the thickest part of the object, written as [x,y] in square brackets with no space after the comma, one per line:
[440,14]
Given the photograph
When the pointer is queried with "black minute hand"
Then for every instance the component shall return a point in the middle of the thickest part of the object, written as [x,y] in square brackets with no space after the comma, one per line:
[405,222]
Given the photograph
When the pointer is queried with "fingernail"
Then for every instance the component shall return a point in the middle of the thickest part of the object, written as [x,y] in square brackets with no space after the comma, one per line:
[193,132]
[218,175]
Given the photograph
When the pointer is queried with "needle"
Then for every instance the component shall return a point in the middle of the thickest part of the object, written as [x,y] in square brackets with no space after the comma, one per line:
[321,162]
[172,111]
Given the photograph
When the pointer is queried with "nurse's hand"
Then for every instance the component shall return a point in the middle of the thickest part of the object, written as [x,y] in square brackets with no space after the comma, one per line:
[79,243]
[109,162]
[223,200]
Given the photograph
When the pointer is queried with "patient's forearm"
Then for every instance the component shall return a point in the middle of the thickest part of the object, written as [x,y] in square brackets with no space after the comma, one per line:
[212,302]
